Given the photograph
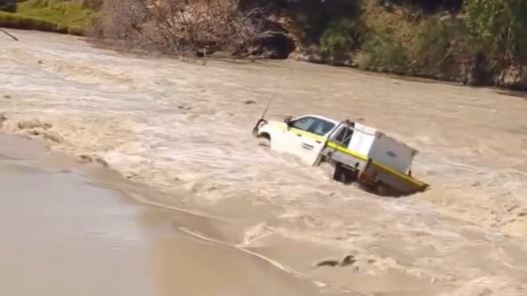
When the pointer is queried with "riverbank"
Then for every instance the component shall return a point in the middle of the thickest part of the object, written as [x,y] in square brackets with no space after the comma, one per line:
[17,21]
[470,41]
[459,41]
[66,17]
[183,128]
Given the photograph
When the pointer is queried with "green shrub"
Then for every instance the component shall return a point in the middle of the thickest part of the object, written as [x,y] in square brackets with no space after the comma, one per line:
[60,16]
[441,46]
[11,20]
[501,26]
[381,52]
[433,42]
[340,39]
[16,21]
[72,14]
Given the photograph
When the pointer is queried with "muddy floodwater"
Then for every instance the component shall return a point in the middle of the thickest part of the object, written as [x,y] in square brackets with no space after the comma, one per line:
[64,234]
[181,129]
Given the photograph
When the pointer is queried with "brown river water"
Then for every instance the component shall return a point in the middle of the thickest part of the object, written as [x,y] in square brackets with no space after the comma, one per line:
[63,233]
[179,131]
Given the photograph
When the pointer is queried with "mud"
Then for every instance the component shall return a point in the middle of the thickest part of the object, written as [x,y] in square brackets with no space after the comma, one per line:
[183,128]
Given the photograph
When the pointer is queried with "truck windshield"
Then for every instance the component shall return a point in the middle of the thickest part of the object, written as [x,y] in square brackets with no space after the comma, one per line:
[313,125]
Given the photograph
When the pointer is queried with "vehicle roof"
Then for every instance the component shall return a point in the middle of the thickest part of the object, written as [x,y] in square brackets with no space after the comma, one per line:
[320,117]
[364,126]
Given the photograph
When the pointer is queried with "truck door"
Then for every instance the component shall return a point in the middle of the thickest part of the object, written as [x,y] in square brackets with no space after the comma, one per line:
[309,137]
[342,136]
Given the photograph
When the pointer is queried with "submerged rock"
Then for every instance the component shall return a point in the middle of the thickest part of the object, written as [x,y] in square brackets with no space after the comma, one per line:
[348,260]
[89,159]
[331,263]
[33,124]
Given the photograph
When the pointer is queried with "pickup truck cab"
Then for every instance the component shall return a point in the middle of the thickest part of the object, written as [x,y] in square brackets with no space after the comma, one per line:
[358,152]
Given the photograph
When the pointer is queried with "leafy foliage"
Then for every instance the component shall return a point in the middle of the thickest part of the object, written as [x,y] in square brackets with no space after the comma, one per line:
[383,53]
[69,13]
[17,21]
[340,38]
[501,25]
[441,46]
[429,5]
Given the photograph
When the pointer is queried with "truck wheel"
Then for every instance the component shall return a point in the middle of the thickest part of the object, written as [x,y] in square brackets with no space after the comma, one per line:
[343,174]
[264,141]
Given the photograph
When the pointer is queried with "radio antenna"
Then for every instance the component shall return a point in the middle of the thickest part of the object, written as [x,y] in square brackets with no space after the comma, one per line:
[8,34]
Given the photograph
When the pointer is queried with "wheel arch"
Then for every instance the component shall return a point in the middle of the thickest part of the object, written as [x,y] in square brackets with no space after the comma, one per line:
[265,135]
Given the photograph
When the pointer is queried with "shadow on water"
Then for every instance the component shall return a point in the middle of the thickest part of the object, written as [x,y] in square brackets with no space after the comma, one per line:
[512,93]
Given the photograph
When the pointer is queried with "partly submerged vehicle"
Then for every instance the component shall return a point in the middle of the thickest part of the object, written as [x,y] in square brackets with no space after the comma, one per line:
[357,152]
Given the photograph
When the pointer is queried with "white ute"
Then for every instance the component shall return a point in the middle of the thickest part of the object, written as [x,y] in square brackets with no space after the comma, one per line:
[358,152]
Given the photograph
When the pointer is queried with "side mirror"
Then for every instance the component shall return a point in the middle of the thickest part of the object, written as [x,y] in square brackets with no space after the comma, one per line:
[288,120]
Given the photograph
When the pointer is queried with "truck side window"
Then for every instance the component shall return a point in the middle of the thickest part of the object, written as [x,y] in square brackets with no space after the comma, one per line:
[321,127]
[344,136]
[313,125]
